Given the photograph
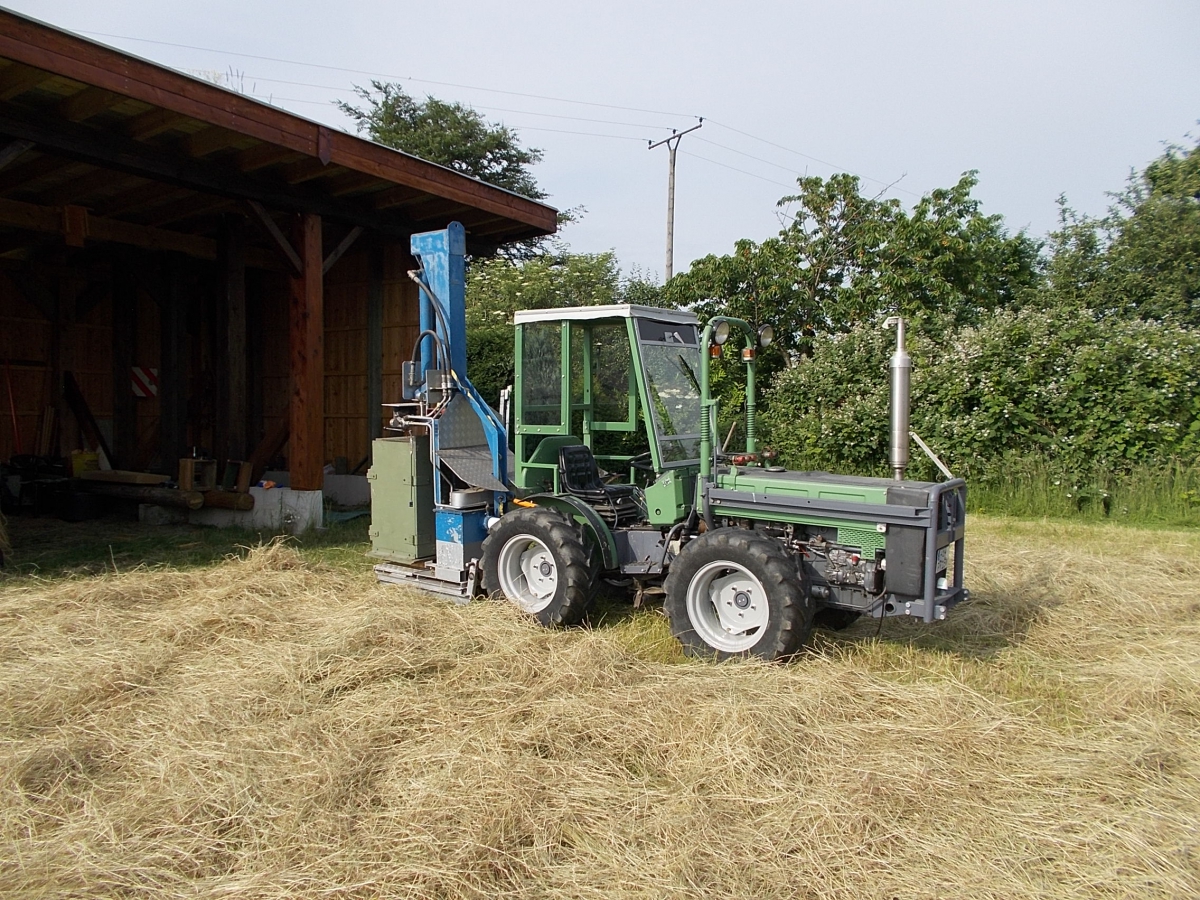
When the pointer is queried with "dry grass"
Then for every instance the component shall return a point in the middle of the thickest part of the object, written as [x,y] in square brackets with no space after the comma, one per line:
[270,727]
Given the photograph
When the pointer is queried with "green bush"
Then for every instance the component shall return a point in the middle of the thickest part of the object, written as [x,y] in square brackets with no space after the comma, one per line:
[1065,387]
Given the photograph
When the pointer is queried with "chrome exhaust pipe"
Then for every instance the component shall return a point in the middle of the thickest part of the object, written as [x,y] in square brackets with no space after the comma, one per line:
[900,369]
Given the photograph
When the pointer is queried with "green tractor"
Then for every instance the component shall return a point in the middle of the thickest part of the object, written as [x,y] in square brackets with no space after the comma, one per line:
[749,556]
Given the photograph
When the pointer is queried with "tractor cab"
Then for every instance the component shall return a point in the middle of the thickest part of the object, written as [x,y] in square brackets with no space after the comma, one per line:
[616,388]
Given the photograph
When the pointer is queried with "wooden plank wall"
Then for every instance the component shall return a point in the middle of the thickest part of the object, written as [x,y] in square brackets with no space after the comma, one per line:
[347,287]
[347,297]
[25,342]
[84,346]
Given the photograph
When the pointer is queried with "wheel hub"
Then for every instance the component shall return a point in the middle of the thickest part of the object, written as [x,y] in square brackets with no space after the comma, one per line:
[728,606]
[527,573]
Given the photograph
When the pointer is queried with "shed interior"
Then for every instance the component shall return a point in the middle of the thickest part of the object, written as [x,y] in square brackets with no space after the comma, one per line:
[213,273]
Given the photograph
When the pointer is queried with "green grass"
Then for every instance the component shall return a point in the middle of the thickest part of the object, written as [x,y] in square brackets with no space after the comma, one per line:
[1167,495]
[49,548]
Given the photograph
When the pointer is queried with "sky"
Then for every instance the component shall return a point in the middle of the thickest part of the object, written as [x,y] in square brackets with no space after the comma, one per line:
[1043,98]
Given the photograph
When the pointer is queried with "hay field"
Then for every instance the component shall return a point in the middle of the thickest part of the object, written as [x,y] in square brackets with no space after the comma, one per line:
[274,726]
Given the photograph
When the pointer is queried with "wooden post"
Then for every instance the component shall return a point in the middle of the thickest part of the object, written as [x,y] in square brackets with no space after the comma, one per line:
[172,375]
[374,344]
[124,355]
[256,343]
[306,443]
[233,291]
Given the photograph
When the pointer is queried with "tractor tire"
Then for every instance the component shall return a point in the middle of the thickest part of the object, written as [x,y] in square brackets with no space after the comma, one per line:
[734,593]
[835,619]
[537,559]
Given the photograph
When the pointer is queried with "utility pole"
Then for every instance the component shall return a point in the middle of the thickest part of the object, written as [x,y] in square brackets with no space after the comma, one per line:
[672,145]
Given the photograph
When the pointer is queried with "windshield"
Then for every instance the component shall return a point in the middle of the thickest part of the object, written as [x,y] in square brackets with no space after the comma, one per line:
[671,374]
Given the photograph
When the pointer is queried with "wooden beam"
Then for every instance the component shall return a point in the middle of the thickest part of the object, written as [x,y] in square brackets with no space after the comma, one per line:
[86,103]
[124,356]
[20,176]
[12,150]
[148,193]
[280,239]
[17,79]
[75,225]
[396,196]
[186,208]
[306,170]
[352,183]
[82,186]
[172,371]
[233,290]
[118,152]
[71,56]
[262,156]
[306,451]
[341,248]
[152,123]
[83,415]
[210,140]
[268,448]
[375,271]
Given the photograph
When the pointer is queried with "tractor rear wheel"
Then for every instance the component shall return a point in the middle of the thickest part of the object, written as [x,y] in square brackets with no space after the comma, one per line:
[735,593]
[537,559]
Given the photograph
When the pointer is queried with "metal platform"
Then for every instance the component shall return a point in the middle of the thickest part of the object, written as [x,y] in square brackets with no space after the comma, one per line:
[422,577]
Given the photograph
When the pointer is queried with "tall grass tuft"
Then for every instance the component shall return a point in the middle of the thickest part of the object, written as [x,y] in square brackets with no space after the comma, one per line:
[1166,494]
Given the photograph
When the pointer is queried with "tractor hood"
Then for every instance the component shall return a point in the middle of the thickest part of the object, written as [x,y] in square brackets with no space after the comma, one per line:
[823,486]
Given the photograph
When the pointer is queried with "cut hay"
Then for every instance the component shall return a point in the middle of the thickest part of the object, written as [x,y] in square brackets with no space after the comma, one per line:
[271,728]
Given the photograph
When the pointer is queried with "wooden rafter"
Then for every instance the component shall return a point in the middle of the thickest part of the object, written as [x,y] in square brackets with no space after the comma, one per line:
[33,44]
[119,152]
[152,123]
[273,231]
[12,150]
[346,243]
[53,220]
[17,79]
[86,103]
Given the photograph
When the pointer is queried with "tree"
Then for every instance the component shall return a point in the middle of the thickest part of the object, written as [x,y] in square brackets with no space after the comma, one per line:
[845,257]
[456,136]
[1142,259]
[450,134]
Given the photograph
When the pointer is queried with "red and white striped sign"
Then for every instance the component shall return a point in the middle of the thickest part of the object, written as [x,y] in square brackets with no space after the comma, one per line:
[145,381]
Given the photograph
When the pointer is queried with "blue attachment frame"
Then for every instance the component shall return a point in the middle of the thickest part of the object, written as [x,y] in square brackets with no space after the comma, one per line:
[441,256]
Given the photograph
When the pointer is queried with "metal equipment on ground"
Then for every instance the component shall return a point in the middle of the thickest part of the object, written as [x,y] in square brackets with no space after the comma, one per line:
[617,477]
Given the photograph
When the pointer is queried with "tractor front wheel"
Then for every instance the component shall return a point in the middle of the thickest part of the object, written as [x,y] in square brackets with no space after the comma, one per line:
[537,559]
[735,593]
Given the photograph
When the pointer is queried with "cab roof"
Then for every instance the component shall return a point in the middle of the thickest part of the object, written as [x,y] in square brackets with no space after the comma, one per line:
[611,311]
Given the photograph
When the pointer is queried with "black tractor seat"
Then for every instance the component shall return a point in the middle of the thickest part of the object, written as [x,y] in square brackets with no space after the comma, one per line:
[580,477]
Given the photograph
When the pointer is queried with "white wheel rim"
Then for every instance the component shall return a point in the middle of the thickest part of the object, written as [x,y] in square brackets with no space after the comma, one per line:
[527,573]
[727,607]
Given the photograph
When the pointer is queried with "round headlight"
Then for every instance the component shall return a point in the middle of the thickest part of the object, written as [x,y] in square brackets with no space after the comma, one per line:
[721,333]
[766,334]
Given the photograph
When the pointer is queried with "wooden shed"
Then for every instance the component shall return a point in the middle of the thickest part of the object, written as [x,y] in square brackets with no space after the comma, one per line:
[209,270]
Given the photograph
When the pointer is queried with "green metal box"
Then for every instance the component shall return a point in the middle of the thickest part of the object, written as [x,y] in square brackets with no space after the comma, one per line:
[401,478]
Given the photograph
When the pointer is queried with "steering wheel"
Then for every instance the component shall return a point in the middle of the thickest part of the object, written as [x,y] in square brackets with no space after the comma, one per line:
[643,462]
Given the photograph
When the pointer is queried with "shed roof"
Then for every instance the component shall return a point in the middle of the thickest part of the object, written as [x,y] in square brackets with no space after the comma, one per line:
[142,146]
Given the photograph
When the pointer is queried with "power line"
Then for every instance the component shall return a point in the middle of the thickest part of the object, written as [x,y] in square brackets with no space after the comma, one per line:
[736,169]
[523,112]
[749,155]
[823,162]
[470,87]
[271,98]
[552,99]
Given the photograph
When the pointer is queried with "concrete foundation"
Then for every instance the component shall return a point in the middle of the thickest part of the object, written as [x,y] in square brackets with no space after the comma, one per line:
[275,509]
